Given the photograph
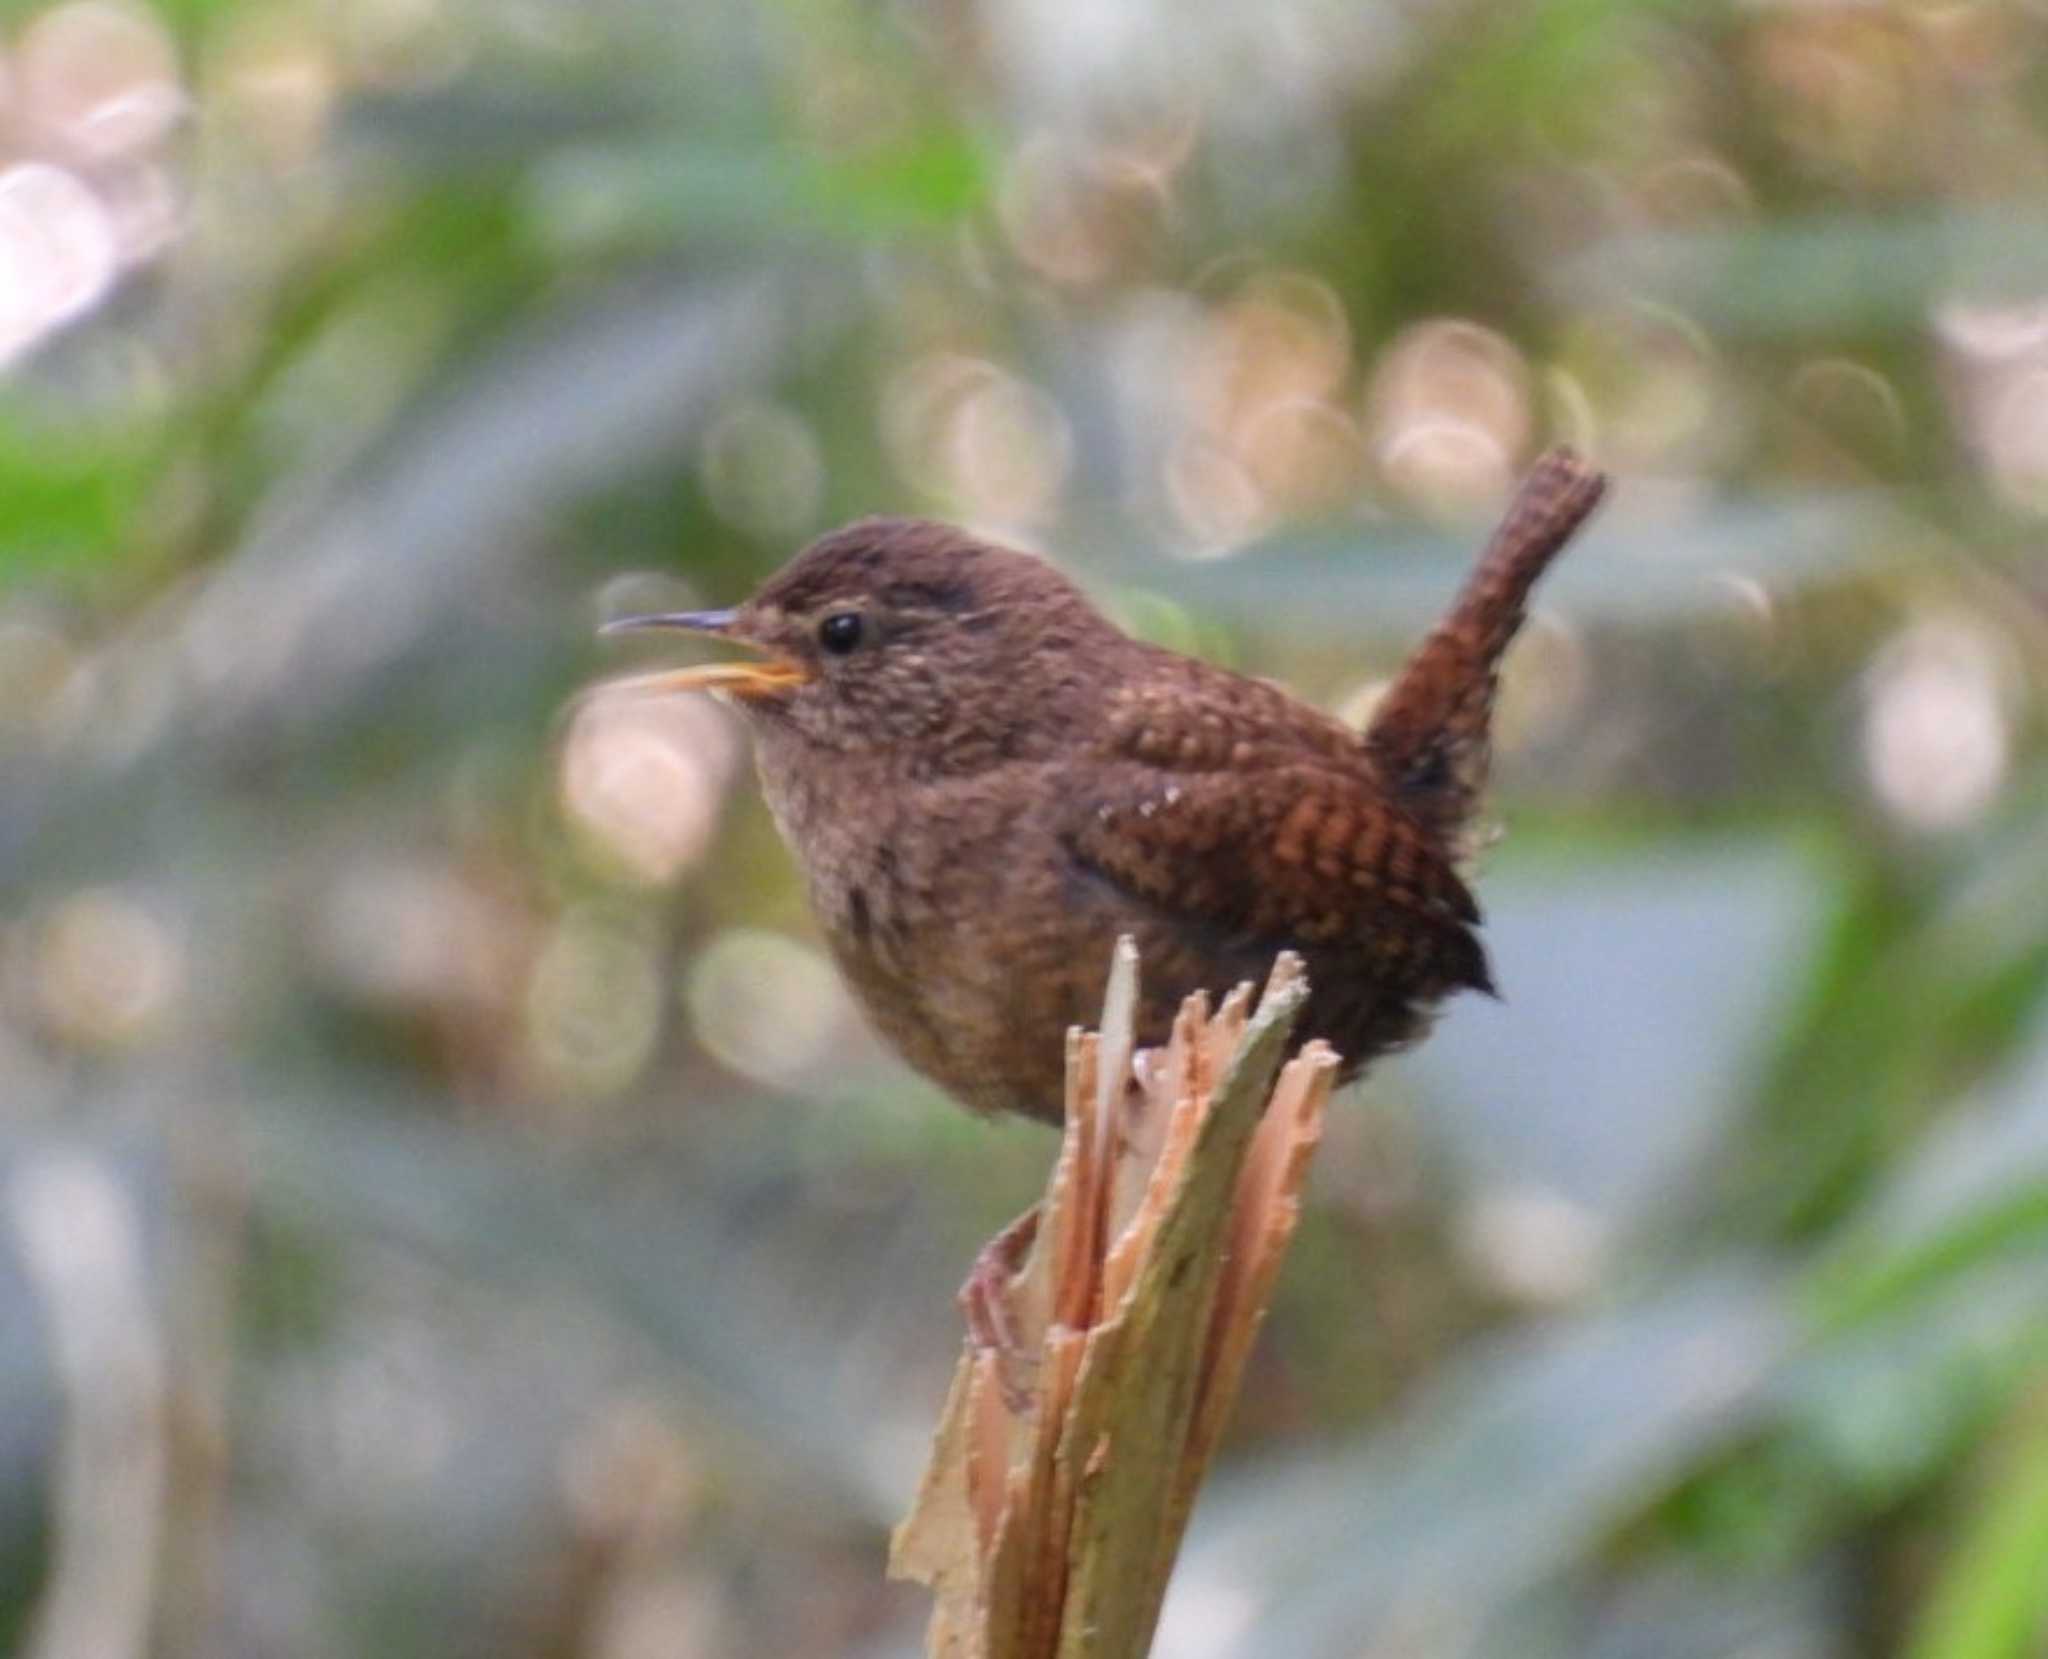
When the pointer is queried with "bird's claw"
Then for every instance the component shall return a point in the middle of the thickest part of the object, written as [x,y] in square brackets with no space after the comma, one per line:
[985,1302]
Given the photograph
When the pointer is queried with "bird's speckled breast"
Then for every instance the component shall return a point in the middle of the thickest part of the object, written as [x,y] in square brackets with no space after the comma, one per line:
[906,888]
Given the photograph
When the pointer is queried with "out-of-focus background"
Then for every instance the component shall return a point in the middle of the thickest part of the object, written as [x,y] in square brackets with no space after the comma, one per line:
[447,1205]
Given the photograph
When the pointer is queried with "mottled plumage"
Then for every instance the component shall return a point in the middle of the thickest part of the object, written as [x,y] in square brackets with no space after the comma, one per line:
[986,783]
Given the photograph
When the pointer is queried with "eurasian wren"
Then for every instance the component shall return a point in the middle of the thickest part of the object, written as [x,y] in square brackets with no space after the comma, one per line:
[986,782]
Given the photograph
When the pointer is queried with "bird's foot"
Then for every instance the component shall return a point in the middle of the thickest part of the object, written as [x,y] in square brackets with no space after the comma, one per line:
[987,1300]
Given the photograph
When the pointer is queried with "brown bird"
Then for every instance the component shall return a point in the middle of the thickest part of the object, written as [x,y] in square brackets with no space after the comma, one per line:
[986,782]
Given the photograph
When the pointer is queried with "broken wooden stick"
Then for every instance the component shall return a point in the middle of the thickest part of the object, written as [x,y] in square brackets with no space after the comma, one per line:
[1069,1454]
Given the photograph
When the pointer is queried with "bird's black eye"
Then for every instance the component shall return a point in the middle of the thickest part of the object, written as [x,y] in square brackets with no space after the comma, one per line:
[839,633]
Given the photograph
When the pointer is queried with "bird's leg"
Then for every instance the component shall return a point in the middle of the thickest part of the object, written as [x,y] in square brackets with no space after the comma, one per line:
[985,1302]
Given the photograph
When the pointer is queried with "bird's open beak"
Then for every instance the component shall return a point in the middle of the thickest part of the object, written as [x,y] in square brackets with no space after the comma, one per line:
[767,678]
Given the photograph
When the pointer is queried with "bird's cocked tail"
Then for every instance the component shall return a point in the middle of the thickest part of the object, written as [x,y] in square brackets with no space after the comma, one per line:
[1430,734]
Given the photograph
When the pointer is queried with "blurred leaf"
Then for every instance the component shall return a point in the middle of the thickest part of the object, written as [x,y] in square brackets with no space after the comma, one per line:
[1885,1405]
[620,170]
[342,575]
[1823,275]
[1928,1302]
[356,569]
[1532,64]
[1991,1600]
[1974,1189]
[1336,583]
[1926,982]
[1669,1610]
[1532,1447]
[1582,955]
[64,498]
[30,1398]
[467,1201]
[469,128]
[649,197]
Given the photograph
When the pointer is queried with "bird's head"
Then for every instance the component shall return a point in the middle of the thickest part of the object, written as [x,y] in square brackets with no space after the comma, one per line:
[905,635]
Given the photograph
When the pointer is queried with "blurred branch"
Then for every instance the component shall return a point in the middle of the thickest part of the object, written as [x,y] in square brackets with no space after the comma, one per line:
[1067,1462]
[81,1245]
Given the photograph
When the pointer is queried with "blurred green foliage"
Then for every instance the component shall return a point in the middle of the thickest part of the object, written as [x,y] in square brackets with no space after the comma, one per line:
[445,1205]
